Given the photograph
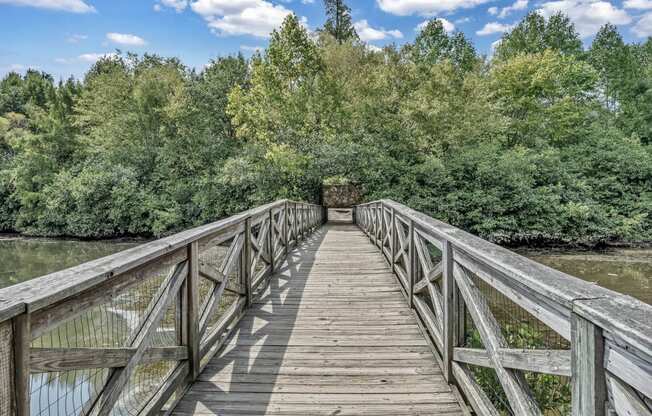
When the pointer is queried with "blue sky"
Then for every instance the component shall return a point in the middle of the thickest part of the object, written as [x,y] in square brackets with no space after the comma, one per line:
[64,37]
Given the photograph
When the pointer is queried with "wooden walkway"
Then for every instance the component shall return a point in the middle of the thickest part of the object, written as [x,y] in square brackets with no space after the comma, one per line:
[331,335]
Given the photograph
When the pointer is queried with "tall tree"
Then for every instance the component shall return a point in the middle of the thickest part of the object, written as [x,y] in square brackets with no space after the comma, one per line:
[338,21]
[534,35]
[433,45]
[613,60]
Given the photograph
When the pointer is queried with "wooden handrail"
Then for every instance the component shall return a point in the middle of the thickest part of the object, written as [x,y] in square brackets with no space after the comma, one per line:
[254,243]
[610,334]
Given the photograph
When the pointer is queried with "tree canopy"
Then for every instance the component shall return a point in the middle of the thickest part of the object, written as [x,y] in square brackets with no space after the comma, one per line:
[545,142]
[338,21]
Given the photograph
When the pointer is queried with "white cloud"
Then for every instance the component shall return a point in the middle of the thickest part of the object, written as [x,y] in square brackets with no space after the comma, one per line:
[493,10]
[643,28]
[126,39]
[94,57]
[178,5]
[518,5]
[587,15]
[462,20]
[638,4]
[73,6]
[425,7]
[241,17]
[374,48]
[494,27]
[368,33]
[307,1]
[76,38]
[448,26]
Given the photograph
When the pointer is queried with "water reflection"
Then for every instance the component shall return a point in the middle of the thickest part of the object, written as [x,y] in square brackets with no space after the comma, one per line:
[24,259]
[627,271]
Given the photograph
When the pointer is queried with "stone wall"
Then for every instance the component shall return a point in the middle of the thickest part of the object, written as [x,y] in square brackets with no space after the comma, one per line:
[340,196]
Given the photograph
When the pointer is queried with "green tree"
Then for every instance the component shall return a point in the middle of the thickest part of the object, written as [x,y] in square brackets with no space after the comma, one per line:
[534,34]
[548,97]
[338,21]
[433,45]
[614,62]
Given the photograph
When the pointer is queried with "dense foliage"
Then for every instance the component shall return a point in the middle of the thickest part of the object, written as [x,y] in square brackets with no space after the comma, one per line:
[543,142]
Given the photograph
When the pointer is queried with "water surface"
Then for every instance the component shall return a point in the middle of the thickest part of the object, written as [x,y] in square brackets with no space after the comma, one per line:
[627,271]
[23,259]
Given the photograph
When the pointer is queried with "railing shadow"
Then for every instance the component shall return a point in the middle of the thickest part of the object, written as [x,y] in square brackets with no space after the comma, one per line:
[254,354]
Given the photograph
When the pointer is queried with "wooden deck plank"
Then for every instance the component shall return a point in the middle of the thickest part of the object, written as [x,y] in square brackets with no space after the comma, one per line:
[331,334]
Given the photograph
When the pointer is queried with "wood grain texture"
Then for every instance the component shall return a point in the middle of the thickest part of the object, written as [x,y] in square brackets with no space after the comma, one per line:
[326,336]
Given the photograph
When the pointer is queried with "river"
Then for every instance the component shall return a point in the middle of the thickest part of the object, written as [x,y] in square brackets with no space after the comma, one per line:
[627,271]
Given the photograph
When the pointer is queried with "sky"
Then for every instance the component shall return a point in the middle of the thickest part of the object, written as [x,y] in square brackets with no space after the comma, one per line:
[65,37]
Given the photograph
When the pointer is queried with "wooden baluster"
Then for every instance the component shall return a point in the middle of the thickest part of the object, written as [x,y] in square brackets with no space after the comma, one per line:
[22,340]
[246,261]
[589,391]
[393,241]
[374,226]
[270,241]
[451,331]
[192,310]
[295,226]
[286,220]
[412,268]
[382,227]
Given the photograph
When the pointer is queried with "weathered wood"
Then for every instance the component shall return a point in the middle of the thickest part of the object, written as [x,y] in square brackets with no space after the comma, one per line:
[39,293]
[44,360]
[64,311]
[192,312]
[450,308]
[473,392]
[174,383]
[21,338]
[286,236]
[120,376]
[588,377]
[311,337]
[557,362]
[245,265]
[514,384]
[625,400]
[41,305]
[629,368]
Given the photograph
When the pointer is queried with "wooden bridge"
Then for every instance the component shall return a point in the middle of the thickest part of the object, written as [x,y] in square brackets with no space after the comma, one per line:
[275,311]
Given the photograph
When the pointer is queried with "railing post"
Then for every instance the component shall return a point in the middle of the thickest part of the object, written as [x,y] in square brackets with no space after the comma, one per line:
[286,220]
[303,222]
[191,314]
[379,226]
[412,272]
[383,231]
[374,226]
[393,242]
[22,339]
[270,240]
[295,225]
[587,368]
[246,261]
[452,332]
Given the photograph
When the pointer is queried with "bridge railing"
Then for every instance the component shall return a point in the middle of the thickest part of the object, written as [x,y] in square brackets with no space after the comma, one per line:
[514,335]
[126,334]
